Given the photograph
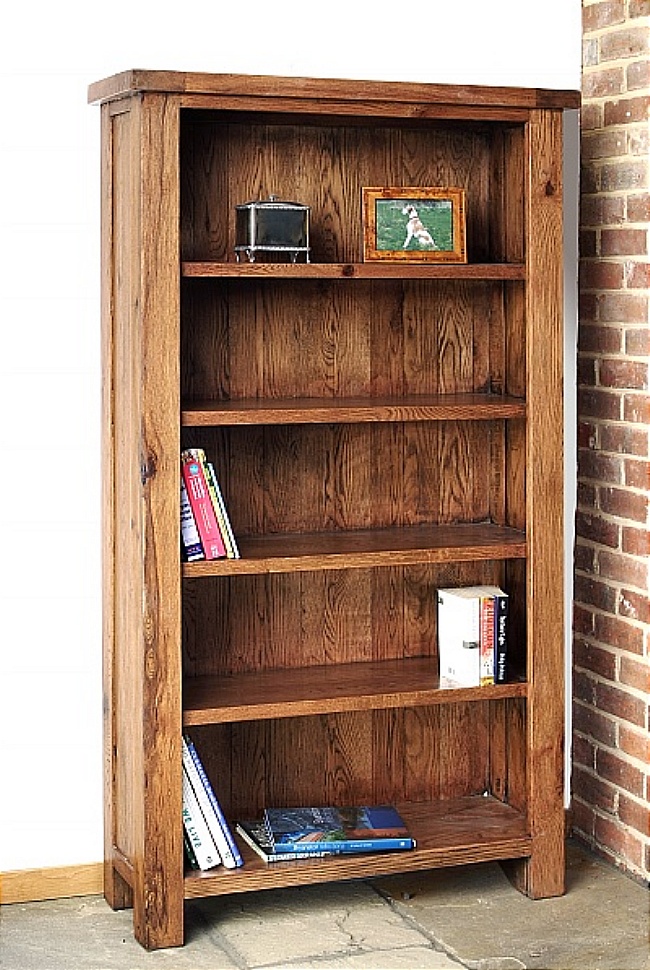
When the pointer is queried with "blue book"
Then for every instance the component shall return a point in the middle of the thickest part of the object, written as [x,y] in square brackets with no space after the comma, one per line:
[376,828]
[228,849]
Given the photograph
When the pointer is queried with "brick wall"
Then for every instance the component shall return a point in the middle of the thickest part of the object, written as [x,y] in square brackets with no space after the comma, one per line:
[611,741]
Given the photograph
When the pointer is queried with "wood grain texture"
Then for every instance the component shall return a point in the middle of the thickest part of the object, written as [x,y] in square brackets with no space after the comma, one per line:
[378,432]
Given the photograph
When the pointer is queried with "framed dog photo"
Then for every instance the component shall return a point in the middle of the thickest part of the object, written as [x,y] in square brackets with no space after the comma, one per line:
[414,224]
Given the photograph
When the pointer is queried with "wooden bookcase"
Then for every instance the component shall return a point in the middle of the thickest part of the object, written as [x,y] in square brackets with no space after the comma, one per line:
[379,430]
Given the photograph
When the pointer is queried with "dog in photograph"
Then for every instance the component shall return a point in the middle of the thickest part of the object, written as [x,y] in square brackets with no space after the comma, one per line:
[416,230]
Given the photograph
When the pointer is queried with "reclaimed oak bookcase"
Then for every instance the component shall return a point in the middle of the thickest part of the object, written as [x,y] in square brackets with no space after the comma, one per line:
[379,430]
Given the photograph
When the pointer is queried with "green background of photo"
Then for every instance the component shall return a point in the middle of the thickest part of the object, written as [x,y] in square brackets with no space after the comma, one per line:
[435,214]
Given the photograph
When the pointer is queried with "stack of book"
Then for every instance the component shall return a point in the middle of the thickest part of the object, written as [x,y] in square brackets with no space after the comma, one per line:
[208,838]
[308,833]
[206,531]
[472,636]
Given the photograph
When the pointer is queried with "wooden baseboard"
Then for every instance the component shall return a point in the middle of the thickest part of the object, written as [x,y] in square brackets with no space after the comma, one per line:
[30,885]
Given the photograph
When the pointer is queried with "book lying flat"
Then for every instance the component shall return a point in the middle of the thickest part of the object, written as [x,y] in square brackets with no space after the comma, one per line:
[376,828]
[256,835]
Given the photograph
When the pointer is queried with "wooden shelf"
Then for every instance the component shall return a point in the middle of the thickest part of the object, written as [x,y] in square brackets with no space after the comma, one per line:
[359,271]
[447,833]
[366,548]
[300,692]
[434,407]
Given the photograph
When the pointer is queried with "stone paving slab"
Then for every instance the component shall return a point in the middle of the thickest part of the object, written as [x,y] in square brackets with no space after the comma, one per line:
[480,919]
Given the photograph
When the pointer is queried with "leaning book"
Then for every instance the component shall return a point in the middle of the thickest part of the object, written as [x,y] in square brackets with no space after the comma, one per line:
[375,828]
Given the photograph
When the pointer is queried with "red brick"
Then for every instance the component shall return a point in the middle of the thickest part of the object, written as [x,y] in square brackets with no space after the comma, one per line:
[616,44]
[634,814]
[624,439]
[618,176]
[582,819]
[605,142]
[593,790]
[637,75]
[636,473]
[584,557]
[596,274]
[588,434]
[591,117]
[621,704]
[594,528]
[618,632]
[623,569]
[587,307]
[636,407]
[600,339]
[600,467]
[636,542]
[583,621]
[607,82]
[624,504]
[594,659]
[634,605]
[623,307]
[587,495]
[584,688]
[638,207]
[637,275]
[596,403]
[587,720]
[637,140]
[638,8]
[619,772]
[623,373]
[589,591]
[604,14]
[635,673]
[620,840]
[587,371]
[583,752]
[602,210]
[637,340]
[588,243]
[636,743]
[623,242]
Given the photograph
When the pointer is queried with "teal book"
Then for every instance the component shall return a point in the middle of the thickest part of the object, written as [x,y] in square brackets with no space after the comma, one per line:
[375,828]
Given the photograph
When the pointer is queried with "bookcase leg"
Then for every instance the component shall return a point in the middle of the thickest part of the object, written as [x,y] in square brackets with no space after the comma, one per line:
[158,919]
[117,891]
[540,876]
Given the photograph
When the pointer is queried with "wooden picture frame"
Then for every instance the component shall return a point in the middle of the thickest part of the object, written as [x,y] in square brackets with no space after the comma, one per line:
[414,224]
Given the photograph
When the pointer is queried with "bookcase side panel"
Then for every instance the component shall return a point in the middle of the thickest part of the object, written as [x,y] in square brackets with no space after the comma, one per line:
[545,870]
[161,921]
[122,386]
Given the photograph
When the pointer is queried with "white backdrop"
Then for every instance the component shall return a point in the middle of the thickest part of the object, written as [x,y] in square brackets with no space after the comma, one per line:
[50,608]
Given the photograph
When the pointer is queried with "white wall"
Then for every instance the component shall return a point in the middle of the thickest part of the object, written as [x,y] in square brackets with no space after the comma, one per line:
[50,621]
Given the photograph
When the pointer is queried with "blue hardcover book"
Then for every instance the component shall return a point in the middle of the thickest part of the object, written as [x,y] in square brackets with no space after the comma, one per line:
[376,828]
[230,854]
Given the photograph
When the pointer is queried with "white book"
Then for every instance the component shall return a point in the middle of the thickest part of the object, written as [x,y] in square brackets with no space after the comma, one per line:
[197,829]
[210,808]
[459,635]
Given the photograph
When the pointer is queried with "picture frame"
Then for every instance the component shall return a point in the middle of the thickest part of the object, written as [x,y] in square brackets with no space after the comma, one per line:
[414,224]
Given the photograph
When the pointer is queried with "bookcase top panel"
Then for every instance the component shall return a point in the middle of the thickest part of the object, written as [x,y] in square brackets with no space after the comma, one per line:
[336,91]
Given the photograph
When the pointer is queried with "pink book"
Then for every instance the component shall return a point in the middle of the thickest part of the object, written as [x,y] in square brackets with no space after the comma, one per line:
[202,507]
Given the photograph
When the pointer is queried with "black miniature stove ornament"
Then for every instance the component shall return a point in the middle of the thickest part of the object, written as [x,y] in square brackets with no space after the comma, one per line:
[272,227]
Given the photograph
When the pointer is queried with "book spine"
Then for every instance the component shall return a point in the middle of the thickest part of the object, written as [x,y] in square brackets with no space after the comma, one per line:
[197,829]
[192,548]
[459,637]
[500,649]
[487,640]
[275,856]
[223,517]
[230,855]
[201,503]
[344,847]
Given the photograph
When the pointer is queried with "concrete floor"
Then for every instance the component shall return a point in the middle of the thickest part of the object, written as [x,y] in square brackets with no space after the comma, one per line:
[443,920]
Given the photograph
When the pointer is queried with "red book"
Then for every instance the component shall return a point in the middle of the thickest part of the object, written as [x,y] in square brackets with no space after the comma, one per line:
[487,640]
[202,507]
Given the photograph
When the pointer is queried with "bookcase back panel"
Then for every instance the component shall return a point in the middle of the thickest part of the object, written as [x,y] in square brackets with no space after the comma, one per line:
[304,478]
[248,623]
[225,163]
[415,755]
[331,338]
